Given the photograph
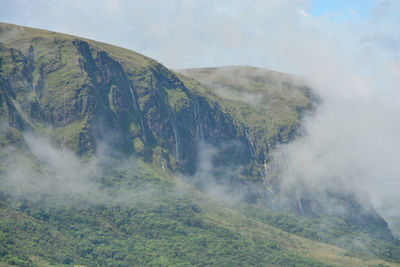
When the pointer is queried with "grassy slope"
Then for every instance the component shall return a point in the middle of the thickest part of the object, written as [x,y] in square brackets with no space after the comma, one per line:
[264,101]
[20,37]
[175,225]
[270,104]
[171,228]
[56,57]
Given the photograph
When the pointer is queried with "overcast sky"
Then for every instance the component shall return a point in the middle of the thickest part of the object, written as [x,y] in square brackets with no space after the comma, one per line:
[181,33]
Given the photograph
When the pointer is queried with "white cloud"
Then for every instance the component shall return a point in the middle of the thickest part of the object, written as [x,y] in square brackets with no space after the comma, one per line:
[353,65]
[304,13]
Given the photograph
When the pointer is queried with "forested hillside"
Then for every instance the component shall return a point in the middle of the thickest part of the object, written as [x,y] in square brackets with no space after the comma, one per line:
[109,158]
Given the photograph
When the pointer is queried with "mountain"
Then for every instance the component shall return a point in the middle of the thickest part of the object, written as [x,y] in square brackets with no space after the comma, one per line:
[110,158]
[270,106]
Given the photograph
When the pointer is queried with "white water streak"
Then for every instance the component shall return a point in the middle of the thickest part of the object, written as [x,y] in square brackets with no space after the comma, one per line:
[263,175]
[197,115]
[176,142]
[143,131]
[133,96]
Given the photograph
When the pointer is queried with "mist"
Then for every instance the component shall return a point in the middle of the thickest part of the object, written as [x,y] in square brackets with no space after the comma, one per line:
[219,182]
[351,140]
[350,60]
[46,174]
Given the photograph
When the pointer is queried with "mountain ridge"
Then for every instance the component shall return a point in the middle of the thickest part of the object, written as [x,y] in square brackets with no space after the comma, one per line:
[89,97]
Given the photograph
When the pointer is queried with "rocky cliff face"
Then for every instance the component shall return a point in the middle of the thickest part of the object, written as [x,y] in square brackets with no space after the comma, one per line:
[87,95]
[270,106]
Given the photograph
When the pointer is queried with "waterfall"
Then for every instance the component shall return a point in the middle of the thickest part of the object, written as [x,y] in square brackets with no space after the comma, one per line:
[143,131]
[63,111]
[266,176]
[301,208]
[196,116]
[263,175]
[176,142]
[199,128]
[34,92]
[134,105]
[133,96]
[162,165]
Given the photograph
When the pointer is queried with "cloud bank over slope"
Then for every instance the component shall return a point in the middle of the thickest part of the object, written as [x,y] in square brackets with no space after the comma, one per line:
[353,64]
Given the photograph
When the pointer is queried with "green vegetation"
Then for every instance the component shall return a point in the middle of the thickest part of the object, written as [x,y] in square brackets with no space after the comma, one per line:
[261,100]
[178,99]
[138,145]
[154,225]
[86,97]
[331,230]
